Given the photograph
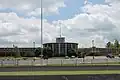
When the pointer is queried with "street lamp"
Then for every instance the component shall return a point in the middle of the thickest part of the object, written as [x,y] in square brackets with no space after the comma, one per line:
[34,45]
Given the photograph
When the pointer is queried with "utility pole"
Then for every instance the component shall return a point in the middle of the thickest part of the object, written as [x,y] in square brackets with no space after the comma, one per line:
[41,29]
[93,48]
[60,30]
[33,46]
[60,38]
[93,43]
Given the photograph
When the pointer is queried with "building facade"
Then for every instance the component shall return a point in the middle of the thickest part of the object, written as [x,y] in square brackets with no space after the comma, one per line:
[60,48]
[8,51]
[100,51]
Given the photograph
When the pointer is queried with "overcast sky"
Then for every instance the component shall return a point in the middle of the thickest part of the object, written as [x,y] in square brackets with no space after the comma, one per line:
[98,20]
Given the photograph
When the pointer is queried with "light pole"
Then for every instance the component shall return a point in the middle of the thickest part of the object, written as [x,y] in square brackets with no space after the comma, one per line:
[93,48]
[34,45]
[41,29]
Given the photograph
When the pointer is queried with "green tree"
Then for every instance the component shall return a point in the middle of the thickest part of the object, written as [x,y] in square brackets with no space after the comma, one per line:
[29,54]
[16,52]
[112,46]
[37,51]
[23,54]
[108,45]
[71,52]
[116,45]
[81,53]
[47,52]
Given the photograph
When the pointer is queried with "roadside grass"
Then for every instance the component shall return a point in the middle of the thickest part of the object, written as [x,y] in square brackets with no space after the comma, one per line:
[28,73]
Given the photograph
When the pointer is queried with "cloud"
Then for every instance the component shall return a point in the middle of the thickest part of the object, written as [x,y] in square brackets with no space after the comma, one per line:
[23,31]
[110,1]
[32,7]
[99,22]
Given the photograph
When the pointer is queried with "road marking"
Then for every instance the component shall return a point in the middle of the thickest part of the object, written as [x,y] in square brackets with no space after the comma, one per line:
[64,78]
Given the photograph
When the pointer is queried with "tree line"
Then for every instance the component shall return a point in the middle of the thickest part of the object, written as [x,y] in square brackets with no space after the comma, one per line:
[115,45]
[48,52]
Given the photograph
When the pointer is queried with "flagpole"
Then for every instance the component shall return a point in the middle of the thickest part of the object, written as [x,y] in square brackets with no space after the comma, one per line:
[41,29]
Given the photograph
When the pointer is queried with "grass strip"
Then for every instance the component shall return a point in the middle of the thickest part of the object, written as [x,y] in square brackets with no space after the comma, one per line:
[28,73]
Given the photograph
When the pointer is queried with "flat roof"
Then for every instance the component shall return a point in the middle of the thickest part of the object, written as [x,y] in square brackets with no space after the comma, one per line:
[62,43]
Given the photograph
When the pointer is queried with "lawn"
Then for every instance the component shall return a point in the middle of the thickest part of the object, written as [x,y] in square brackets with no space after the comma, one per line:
[25,73]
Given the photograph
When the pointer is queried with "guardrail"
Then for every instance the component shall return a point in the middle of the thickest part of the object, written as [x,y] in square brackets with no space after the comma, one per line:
[58,62]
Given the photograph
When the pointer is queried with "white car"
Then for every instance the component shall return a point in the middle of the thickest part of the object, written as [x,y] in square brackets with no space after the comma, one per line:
[72,56]
[66,57]
[119,55]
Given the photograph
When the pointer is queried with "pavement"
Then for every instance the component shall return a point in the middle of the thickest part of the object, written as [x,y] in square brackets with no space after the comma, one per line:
[59,61]
[64,77]
[58,68]
[61,77]
[61,68]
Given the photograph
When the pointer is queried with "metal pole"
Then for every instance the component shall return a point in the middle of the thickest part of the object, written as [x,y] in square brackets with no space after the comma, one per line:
[41,29]
[33,46]
[60,31]
[65,49]
[59,48]
[92,43]
[5,51]
[93,48]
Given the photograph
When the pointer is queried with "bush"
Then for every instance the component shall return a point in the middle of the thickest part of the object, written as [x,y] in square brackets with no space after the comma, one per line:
[47,52]
[71,52]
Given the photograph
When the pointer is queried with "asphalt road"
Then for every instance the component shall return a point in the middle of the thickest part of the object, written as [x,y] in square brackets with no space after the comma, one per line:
[64,77]
[56,68]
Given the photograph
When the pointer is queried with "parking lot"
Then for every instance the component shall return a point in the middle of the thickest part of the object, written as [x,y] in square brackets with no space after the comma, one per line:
[58,61]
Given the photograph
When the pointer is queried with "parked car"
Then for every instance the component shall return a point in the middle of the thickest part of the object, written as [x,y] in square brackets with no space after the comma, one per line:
[110,56]
[81,56]
[72,56]
[66,57]
[45,57]
[119,55]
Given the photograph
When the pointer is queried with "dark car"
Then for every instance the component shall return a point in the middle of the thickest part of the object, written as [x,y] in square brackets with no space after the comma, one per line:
[119,55]
[110,56]
[45,57]
[81,56]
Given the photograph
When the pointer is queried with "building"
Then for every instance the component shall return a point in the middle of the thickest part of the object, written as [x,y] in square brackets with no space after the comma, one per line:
[99,51]
[8,51]
[60,47]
